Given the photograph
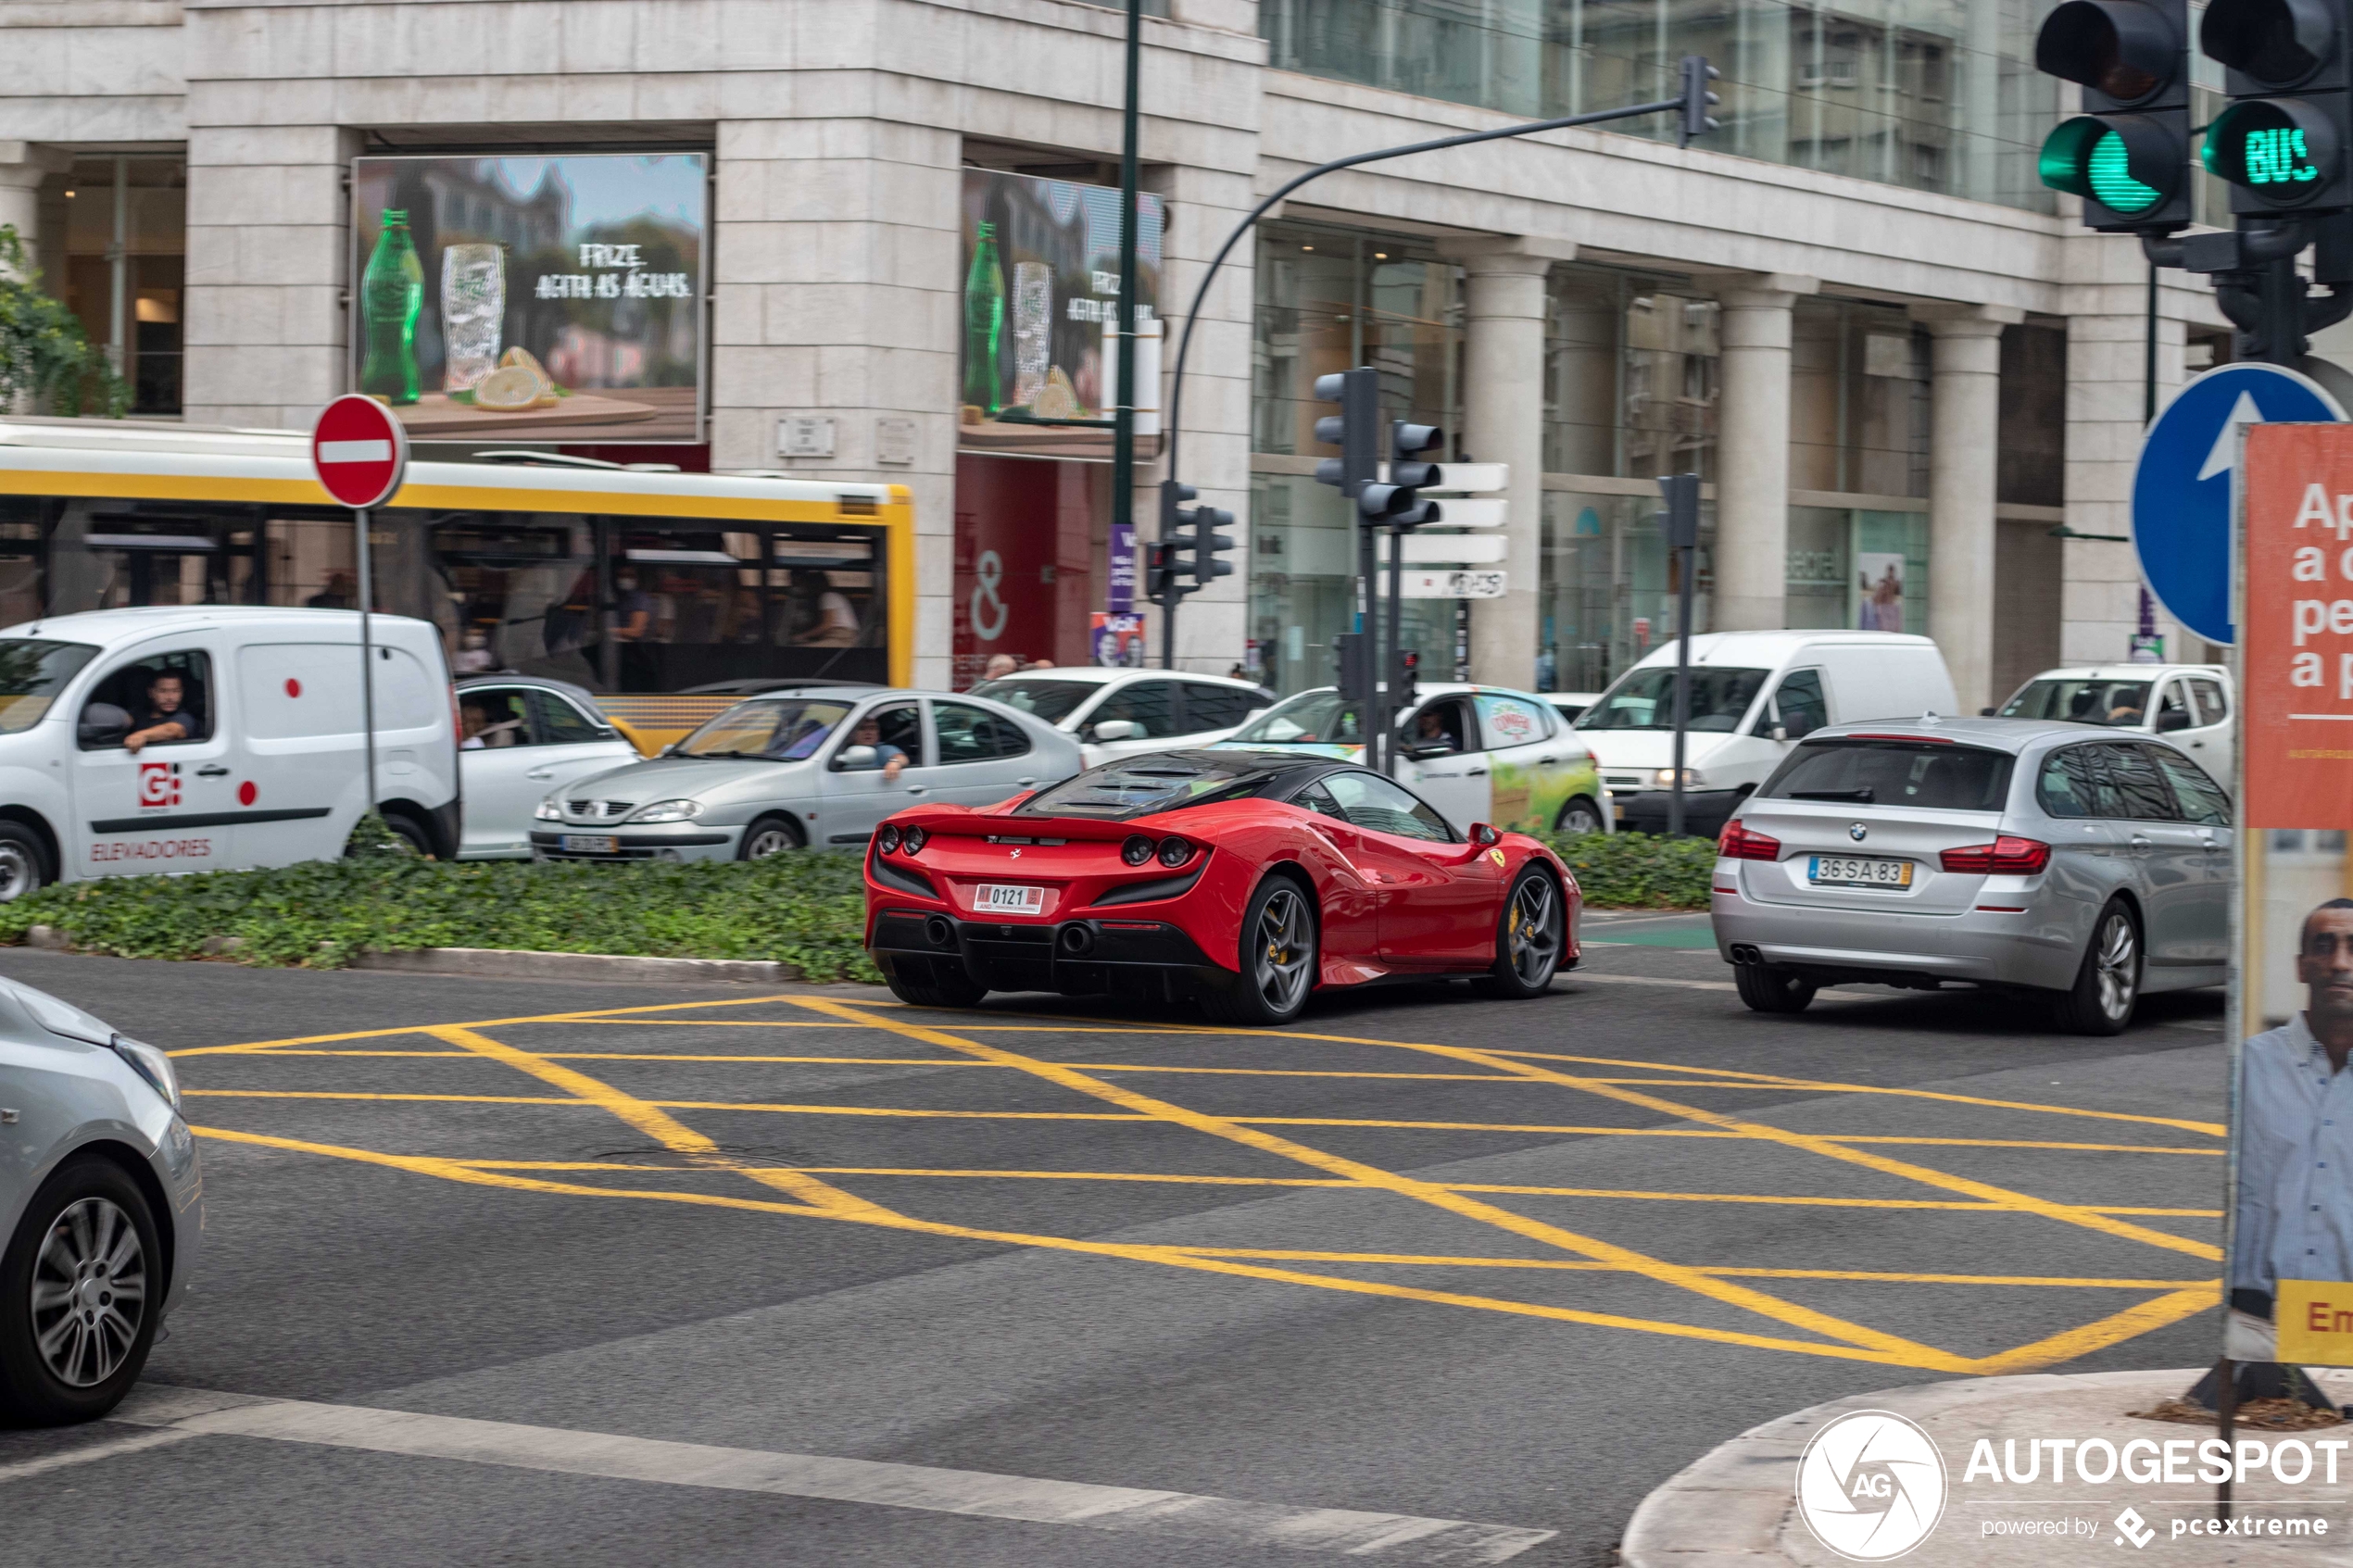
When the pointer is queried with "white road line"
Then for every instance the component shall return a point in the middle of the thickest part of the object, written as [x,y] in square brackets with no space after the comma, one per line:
[1395,1537]
[92,1453]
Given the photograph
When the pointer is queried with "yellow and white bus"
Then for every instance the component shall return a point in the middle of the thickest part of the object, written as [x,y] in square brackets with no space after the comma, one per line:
[636,584]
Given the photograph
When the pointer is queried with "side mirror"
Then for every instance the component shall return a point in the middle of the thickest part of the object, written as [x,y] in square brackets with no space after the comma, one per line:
[103,724]
[1434,748]
[1780,731]
[2175,719]
[1985,713]
[1483,835]
[854,756]
[1118,729]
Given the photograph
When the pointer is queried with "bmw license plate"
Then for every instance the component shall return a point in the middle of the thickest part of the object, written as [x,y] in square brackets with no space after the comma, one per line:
[1850,871]
[998,898]
[591,843]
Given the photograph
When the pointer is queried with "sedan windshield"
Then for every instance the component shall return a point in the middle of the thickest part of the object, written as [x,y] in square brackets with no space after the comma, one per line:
[1322,717]
[1932,774]
[31,674]
[1136,786]
[783,729]
[2094,701]
[1050,700]
[1644,699]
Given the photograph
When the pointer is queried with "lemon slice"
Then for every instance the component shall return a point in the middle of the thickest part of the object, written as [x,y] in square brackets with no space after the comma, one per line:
[508,390]
[518,355]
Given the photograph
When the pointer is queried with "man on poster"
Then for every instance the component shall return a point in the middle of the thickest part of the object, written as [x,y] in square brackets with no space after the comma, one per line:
[2294,1201]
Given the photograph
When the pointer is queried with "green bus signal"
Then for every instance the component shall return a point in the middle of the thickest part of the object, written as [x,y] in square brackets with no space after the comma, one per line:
[2266,146]
[2087,157]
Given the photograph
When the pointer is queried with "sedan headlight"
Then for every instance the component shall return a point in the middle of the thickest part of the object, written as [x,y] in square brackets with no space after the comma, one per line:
[1664,778]
[666,811]
[549,811]
[152,1065]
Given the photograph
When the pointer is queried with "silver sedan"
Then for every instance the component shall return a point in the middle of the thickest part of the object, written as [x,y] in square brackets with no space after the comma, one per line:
[2032,855]
[101,1208]
[821,767]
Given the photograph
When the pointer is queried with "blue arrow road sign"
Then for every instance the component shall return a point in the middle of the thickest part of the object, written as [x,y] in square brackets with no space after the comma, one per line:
[2182,486]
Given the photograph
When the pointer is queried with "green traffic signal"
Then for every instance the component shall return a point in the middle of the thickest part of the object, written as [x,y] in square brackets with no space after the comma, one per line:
[2094,158]
[2276,147]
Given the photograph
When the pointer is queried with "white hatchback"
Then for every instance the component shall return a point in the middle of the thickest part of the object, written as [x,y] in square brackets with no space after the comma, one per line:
[1114,712]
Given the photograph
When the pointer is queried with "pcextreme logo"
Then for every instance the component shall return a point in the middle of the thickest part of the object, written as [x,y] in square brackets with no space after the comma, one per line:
[1870,1486]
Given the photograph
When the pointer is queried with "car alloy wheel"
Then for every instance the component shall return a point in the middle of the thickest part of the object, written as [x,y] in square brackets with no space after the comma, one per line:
[1282,948]
[1578,818]
[2117,965]
[1534,935]
[19,873]
[89,1292]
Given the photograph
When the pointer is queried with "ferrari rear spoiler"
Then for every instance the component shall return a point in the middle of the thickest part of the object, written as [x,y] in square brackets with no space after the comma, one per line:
[1010,827]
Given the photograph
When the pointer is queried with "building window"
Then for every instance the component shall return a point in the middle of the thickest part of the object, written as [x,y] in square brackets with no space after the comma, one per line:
[1632,374]
[113,246]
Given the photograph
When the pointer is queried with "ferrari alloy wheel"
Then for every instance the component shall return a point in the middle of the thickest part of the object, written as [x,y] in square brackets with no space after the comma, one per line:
[1279,960]
[1528,938]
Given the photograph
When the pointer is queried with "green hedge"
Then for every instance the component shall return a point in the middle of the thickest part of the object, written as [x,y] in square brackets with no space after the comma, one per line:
[804,910]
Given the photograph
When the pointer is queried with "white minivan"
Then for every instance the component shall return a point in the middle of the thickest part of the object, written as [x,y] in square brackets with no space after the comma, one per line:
[208,737]
[1752,694]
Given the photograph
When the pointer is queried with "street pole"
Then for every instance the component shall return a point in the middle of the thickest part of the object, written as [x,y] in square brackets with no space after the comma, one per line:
[1386,696]
[1123,431]
[1679,526]
[361,516]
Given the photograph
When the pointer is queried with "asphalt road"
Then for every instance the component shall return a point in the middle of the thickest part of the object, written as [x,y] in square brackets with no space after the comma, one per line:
[1507,1265]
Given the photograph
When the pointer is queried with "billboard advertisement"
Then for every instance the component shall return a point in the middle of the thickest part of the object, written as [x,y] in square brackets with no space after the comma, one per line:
[534,298]
[1040,312]
[2291,1224]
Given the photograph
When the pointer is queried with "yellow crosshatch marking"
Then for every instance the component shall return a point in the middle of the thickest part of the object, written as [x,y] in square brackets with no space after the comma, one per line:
[1533,1093]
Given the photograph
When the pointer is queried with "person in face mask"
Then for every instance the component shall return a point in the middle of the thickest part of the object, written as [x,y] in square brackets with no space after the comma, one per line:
[633,608]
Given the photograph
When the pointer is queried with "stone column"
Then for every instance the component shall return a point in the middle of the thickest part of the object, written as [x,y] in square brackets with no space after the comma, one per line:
[1963,448]
[1503,423]
[1752,446]
[23,165]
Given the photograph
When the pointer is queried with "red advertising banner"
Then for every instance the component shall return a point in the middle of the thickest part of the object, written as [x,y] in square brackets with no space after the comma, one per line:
[2296,629]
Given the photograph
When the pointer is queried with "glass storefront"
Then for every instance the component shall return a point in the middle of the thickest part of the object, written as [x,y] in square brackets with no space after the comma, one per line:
[1607,589]
[686,602]
[1933,95]
[113,246]
[1859,409]
[1632,371]
[1303,590]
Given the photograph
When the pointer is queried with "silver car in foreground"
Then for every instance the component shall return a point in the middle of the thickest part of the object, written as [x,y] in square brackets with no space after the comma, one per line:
[101,1208]
[2033,855]
[821,767]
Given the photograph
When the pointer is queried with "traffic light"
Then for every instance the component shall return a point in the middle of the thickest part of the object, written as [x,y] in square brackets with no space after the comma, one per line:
[1696,122]
[1393,504]
[1355,429]
[2128,153]
[2282,139]
[1199,545]
[1160,571]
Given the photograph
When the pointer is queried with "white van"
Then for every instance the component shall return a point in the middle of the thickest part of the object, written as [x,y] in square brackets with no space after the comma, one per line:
[1753,695]
[249,747]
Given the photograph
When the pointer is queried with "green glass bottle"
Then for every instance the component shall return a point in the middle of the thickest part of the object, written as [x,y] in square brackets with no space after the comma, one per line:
[392,293]
[984,323]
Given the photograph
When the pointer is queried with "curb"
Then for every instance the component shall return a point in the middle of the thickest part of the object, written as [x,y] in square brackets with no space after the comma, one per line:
[510,963]
[1729,1507]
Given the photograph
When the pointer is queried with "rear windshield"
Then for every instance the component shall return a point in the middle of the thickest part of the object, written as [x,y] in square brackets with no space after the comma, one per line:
[1049,701]
[1893,773]
[2101,702]
[1644,699]
[31,674]
[1164,781]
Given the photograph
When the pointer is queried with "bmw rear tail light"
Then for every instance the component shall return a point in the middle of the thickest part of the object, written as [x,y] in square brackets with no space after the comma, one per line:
[1136,850]
[1738,843]
[1174,852]
[2004,857]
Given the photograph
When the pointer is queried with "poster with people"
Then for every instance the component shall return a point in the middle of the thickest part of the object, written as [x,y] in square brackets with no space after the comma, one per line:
[1878,591]
[2290,1268]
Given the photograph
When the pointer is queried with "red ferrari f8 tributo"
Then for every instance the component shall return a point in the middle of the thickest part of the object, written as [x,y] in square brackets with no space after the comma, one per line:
[1247,879]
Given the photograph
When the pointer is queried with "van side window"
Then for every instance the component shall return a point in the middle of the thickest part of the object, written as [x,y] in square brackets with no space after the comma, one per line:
[165,699]
[2211,708]
[1799,706]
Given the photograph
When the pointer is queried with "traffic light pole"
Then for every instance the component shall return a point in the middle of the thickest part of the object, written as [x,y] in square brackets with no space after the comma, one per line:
[1692,102]
[1123,434]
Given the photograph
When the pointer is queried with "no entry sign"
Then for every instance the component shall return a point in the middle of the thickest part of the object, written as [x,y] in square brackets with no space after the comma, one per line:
[358,451]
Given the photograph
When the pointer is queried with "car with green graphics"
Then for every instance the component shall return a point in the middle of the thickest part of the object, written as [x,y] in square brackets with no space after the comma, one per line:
[1480,754]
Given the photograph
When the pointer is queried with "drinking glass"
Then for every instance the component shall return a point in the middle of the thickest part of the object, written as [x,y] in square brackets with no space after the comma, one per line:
[473,312]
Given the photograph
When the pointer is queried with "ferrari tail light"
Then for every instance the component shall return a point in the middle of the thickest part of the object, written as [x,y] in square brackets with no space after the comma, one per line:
[1174,852]
[1136,850]
[888,839]
[2004,857]
[1740,843]
[912,839]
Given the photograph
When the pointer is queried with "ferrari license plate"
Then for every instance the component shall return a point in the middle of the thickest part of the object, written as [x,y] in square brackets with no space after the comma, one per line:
[999,899]
[1849,870]
[591,843]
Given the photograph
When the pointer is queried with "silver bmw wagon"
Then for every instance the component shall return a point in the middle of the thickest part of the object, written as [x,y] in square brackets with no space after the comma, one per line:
[2037,855]
[101,1208]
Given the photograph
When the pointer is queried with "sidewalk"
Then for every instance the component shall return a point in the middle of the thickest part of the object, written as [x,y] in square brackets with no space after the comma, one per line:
[1736,1506]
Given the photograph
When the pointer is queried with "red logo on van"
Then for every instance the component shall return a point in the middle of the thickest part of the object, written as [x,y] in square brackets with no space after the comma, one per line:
[158,783]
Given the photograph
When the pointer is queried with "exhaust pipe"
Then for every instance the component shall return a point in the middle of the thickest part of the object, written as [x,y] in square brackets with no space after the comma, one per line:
[1077,940]
[1746,953]
[940,932]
